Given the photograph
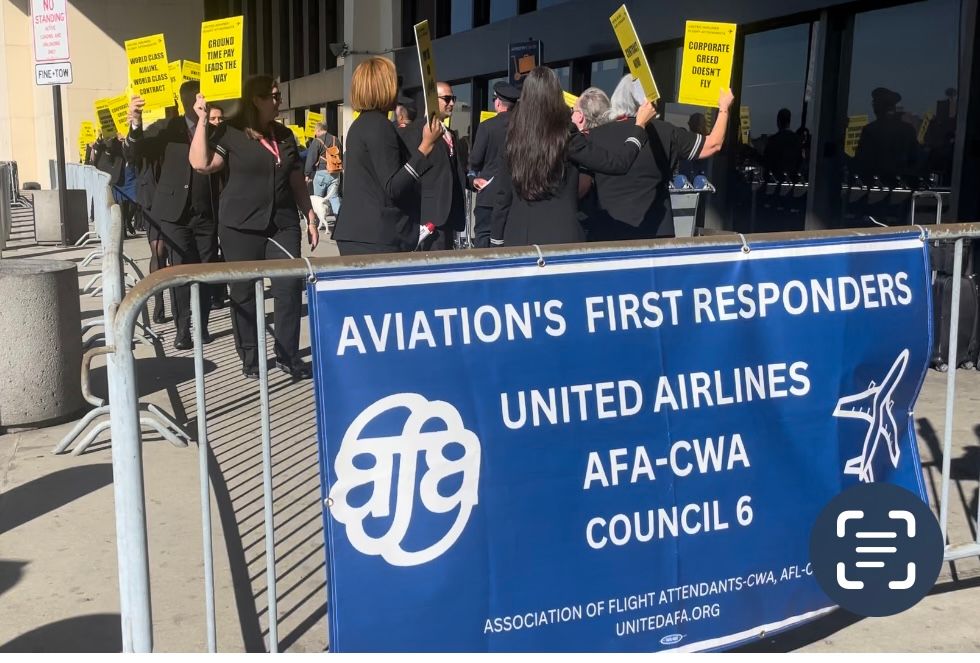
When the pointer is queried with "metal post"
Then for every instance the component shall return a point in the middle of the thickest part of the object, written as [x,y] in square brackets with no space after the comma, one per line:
[127,473]
[202,461]
[270,528]
[954,328]
[59,145]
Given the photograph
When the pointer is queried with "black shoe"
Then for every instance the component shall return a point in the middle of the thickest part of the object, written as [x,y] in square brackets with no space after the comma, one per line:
[183,342]
[298,369]
[251,372]
[206,337]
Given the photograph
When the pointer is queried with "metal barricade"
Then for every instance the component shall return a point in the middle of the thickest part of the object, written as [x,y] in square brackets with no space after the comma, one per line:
[6,200]
[131,525]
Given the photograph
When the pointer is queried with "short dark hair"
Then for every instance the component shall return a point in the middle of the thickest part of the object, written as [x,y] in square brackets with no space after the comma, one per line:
[188,93]
[783,118]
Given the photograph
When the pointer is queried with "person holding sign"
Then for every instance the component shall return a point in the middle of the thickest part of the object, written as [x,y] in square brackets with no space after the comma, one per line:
[636,204]
[180,202]
[537,202]
[382,206]
[261,201]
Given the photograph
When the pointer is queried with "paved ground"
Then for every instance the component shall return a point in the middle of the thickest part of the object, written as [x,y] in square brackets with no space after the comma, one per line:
[58,583]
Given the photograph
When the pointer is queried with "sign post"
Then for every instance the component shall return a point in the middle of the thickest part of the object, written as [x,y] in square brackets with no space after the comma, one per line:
[52,66]
[522,57]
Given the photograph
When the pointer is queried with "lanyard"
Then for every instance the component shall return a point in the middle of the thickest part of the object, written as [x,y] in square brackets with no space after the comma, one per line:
[273,148]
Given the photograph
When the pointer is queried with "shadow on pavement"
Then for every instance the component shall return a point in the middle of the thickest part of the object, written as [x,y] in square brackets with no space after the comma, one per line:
[10,574]
[33,499]
[153,374]
[88,634]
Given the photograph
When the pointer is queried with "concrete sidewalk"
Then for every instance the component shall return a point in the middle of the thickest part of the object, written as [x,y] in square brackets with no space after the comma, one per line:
[58,579]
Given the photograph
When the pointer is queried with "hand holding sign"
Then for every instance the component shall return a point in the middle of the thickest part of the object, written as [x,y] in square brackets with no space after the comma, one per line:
[645,113]
[431,134]
[201,107]
[135,113]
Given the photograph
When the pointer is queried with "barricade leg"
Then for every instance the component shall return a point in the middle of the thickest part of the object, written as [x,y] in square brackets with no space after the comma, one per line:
[202,460]
[270,530]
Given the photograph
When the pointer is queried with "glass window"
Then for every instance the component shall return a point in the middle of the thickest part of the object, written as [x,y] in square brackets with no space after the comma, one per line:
[461,15]
[902,103]
[564,77]
[462,110]
[547,3]
[606,74]
[501,9]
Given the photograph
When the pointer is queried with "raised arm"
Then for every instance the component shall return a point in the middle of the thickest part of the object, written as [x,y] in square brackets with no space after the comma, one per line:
[397,178]
[583,152]
[714,141]
[203,159]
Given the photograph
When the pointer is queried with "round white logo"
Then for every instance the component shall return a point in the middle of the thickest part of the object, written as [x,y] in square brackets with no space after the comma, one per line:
[379,476]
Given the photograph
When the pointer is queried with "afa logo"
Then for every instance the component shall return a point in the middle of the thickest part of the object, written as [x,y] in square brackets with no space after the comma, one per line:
[367,465]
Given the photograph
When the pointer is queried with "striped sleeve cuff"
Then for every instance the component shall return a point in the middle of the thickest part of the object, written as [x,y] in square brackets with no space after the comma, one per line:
[411,171]
[496,242]
[221,150]
[696,150]
[635,141]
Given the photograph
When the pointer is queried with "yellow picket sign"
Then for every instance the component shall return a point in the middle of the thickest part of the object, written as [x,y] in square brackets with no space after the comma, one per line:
[927,119]
[852,135]
[298,133]
[119,107]
[633,51]
[176,80]
[104,116]
[745,123]
[149,75]
[154,115]
[191,70]
[570,99]
[86,135]
[706,68]
[222,58]
[486,115]
[427,65]
[312,119]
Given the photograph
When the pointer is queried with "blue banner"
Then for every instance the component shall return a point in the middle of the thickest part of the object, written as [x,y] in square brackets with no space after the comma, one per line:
[615,451]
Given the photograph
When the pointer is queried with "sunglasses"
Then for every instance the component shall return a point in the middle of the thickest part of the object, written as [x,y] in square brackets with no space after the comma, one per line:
[449,98]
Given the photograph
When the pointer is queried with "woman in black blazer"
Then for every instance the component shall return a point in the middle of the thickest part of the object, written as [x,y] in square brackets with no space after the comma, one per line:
[259,206]
[381,174]
[537,202]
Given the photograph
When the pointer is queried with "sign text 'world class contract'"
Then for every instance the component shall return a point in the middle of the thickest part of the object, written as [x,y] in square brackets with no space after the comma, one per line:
[622,451]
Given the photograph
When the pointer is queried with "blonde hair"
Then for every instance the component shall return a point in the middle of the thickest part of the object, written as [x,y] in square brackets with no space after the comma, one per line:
[374,85]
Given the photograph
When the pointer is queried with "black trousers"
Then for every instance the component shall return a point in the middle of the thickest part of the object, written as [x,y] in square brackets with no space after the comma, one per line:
[482,229]
[191,242]
[239,245]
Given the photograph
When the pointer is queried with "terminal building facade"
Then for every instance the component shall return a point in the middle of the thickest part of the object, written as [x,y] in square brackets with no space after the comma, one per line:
[820,60]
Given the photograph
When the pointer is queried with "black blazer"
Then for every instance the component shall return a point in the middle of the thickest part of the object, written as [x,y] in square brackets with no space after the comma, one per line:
[444,181]
[108,157]
[554,220]
[381,190]
[256,191]
[161,154]
[636,205]
[488,155]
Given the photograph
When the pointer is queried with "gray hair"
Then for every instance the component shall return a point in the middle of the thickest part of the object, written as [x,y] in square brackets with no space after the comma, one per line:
[321,126]
[593,103]
[624,101]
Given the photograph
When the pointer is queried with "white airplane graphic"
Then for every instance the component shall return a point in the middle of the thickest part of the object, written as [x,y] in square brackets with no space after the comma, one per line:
[874,405]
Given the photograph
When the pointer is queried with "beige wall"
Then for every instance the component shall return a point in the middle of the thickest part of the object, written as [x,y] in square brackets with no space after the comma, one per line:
[97,31]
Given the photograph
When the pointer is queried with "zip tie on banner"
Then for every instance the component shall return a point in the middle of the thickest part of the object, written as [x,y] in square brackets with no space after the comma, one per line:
[923,235]
[541,262]
[309,266]
[745,244]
